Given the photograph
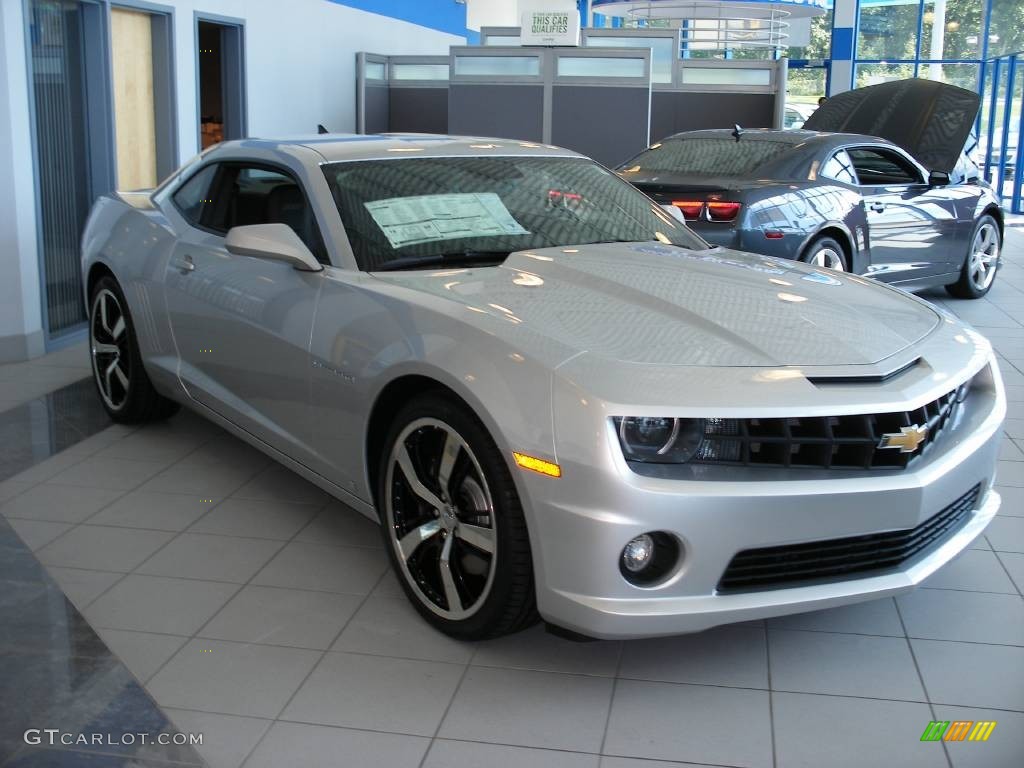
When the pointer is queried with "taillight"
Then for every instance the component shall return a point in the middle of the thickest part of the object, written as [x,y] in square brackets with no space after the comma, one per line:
[722,211]
[691,208]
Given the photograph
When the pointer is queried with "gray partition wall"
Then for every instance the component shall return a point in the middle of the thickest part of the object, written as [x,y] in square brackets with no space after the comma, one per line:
[373,99]
[418,94]
[595,102]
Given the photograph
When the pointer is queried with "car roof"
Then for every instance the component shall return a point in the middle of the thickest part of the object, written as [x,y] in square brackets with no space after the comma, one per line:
[797,138]
[335,147]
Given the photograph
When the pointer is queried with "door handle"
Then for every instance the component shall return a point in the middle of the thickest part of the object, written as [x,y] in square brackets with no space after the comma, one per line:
[186,265]
[878,207]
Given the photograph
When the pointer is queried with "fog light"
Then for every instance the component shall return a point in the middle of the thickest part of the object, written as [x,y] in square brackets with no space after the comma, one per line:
[650,558]
[638,553]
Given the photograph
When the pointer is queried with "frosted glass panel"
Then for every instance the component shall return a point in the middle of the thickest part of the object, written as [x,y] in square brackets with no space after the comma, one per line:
[419,71]
[663,52]
[507,66]
[726,76]
[503,40]
[578,66]
[375,71]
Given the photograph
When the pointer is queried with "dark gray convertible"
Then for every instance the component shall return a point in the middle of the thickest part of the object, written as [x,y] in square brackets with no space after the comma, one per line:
[877,183]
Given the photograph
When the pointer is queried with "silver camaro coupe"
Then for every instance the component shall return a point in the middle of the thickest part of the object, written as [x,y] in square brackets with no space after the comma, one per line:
[556,399]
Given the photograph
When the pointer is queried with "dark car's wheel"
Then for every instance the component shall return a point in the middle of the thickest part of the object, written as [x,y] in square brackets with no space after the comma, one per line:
[125,390]
[826,252]
[982,262]
[452,522]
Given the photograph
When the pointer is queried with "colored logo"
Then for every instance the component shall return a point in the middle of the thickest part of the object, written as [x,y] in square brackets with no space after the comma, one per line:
[907,439]
[958,730]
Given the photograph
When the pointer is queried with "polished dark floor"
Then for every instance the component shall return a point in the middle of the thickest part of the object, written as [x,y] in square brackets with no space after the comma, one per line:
[55,671]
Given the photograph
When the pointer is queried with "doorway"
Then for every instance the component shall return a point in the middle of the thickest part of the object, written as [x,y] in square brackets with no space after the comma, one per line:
[221,81]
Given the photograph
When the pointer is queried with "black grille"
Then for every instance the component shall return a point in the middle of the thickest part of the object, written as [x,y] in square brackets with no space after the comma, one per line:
[830,442]
[793,564]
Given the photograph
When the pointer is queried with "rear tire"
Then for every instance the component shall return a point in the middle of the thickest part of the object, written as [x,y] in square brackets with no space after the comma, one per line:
[455,533]
[826,252]
[124,388]
[982,262]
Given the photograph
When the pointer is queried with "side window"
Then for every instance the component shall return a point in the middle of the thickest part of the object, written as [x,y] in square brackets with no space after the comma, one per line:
[193,198]
[259,195]
[840,168]
[882,166]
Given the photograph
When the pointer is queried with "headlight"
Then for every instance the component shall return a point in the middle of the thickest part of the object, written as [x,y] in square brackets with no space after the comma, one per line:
[659,440]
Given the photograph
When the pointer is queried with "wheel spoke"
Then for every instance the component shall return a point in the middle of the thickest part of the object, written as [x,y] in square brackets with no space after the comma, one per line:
[451,593]
[405,463]
[106,378]
[105,349]
[118,328]
[448,455]
[104,322]
[120,374]
[476,536]
[409,543]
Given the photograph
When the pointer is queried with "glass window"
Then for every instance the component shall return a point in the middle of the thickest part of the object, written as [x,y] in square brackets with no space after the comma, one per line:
[951,29]
[881,166]
[1006,29]
[586,66]
[708,156]
[663,52]
[888,31]
[804,86]
[506,66]
[963,75]
[873,74]
[257,195]
[820,44]
[193,197]
[375,70]
[417,213]
[840,168]
[419,71]
[503,40]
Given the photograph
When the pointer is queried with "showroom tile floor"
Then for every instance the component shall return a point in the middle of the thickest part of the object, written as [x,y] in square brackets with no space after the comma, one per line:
[257,611]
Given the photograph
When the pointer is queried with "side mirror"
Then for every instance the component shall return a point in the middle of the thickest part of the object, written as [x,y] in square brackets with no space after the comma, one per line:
[277,242]
[938,179]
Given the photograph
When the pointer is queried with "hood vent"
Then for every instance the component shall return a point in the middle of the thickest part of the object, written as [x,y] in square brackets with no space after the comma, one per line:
[877,378]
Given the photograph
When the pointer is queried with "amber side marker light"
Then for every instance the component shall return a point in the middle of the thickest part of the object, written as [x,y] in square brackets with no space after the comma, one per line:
[537,465]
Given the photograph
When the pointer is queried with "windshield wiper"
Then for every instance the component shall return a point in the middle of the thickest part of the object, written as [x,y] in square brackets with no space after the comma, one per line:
[454,258]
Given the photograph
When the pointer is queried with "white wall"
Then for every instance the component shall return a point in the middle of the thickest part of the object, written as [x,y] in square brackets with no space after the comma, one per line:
[20,319]
[300,64]
[300,69]
[492,13]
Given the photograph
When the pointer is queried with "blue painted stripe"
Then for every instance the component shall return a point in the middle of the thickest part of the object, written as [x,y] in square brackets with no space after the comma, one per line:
[441,15]
[842,43]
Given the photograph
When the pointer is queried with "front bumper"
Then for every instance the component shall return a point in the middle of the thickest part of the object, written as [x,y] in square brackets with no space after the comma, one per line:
[579,525]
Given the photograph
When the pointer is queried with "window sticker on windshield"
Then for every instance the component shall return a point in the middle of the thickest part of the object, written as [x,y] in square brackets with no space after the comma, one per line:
[431,218]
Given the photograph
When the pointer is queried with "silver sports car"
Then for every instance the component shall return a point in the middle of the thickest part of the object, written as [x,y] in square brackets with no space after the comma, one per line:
[555,398]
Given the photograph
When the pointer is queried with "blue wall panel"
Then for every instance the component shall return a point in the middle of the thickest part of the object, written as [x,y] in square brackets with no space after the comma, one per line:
[442,15]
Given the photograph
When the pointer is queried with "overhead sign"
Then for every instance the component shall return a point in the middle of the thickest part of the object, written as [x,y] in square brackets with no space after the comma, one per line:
[550,23]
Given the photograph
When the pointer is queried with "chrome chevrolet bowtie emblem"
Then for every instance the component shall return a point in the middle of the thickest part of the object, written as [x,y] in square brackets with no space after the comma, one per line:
[907,439]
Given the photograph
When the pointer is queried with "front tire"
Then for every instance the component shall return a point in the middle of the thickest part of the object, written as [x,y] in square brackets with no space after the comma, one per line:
[452,522]
[124,388]
[983,260]
[826,252]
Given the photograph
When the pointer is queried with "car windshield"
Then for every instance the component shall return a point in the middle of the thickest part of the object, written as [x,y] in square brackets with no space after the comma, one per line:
[723,156]
[420,212]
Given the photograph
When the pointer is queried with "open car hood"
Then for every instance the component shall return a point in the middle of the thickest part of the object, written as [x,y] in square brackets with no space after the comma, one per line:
[930,120]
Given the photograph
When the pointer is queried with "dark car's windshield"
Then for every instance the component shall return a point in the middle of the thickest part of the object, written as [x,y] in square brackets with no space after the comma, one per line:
[417,212]
[711,156]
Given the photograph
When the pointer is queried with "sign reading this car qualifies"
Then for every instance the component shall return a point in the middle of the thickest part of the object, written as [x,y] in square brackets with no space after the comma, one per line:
[553,23]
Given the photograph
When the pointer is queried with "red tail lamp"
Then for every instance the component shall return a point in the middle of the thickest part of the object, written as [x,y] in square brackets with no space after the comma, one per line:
[719,210]
[691,208]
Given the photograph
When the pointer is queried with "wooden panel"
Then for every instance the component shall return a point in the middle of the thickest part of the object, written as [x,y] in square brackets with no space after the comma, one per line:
[131,34]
